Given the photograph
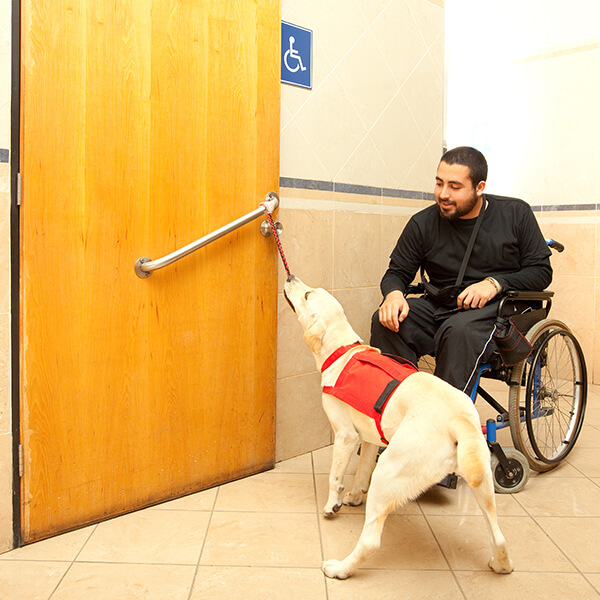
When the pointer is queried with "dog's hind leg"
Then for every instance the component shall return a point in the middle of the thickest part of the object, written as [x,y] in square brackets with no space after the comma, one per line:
[484,494]
[343,446]
[473,465]
[366,464]
[390,487]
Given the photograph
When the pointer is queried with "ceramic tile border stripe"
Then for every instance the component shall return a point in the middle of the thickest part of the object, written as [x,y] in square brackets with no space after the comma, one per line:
[366,190]
[4,155]
[559,207]
[348,188]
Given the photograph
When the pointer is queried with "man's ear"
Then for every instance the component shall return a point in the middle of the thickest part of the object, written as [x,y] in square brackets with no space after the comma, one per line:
[480,187]
[313,336]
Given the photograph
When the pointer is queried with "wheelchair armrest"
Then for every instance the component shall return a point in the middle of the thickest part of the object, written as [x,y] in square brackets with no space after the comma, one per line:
[527,296]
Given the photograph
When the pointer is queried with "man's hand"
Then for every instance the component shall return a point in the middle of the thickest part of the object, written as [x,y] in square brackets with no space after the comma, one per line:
[393,310]
[477,295]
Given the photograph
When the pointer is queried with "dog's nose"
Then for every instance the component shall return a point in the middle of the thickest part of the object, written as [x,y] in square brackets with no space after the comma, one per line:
[291,278]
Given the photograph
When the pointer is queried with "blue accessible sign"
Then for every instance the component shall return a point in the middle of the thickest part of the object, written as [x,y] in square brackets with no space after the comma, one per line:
[296,55]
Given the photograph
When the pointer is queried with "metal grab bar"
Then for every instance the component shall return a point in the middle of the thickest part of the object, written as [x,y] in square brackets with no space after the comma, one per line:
[145,266]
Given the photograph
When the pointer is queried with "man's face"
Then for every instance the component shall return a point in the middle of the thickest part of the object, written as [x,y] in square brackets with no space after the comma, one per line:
[454,192]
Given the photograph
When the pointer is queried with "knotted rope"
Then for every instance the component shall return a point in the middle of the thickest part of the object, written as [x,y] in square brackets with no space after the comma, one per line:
[278,242]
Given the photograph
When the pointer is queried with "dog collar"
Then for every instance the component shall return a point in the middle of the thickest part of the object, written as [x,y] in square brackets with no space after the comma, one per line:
[339,352]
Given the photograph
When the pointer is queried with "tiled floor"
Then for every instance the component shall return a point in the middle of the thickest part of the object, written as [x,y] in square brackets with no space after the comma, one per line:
[263,538]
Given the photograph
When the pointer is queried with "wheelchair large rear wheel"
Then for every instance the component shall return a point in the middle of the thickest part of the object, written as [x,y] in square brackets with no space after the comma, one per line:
[548,395]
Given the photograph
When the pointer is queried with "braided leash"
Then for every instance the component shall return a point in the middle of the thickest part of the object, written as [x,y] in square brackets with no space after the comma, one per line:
[278,242]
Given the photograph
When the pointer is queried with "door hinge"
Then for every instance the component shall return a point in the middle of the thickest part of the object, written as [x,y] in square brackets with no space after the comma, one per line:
[18,189]
[21,461]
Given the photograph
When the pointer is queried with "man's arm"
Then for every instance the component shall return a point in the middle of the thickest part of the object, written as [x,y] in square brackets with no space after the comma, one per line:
[393,310]
[535,272]
[404,263]
[405,260]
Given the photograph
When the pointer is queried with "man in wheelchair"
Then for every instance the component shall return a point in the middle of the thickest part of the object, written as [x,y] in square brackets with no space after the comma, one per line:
[472,246]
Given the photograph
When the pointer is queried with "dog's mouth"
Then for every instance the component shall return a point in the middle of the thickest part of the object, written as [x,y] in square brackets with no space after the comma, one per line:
[288,301]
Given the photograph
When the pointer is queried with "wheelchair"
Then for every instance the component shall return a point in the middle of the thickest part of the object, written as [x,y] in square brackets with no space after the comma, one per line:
[547,393]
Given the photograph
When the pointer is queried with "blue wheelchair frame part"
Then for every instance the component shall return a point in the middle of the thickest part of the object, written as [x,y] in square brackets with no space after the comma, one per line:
[502,421]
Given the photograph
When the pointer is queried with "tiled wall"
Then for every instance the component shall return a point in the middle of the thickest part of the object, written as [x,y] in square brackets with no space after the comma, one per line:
[358,157]
[6,535]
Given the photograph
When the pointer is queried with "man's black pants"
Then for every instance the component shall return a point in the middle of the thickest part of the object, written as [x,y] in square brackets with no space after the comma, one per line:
[456,341]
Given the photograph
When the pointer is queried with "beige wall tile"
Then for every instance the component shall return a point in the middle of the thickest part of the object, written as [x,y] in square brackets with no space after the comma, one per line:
[399,140]
[293,356]
[400,39]
[298,158]
[429,19]
[343,197]
[323,17]
[331,124]
[357,246]
[422,172]
[359,304]
[363,70]
[366,166]
[301,422]
[424,93]
[373,9]
[593,361]
[579,257]
[307,241]
[573,304]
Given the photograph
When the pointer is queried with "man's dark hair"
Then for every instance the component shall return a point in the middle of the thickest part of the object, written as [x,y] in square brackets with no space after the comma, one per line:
[470,158]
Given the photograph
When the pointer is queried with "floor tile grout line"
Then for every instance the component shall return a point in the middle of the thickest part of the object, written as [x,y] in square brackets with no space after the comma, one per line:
[538,525]
[197,569]
[318,516]
[444,555]
[73,562]
[596,589]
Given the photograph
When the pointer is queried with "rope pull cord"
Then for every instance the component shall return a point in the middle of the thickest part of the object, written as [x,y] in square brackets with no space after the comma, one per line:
[277,241]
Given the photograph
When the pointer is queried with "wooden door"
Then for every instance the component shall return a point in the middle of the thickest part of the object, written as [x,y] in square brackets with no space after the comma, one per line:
[145,125]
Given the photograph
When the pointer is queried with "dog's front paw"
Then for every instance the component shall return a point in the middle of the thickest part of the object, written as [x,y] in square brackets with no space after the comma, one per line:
[334,569]
[330,511]
[501,567]
[354,498]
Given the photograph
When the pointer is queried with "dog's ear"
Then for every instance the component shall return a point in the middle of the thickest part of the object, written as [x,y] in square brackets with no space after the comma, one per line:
[313,336]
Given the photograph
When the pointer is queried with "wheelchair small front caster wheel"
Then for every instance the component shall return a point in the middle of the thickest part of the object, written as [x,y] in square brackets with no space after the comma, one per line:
[517,476]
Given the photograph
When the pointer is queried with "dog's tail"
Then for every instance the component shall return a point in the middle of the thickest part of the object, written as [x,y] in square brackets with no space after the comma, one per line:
[471,454]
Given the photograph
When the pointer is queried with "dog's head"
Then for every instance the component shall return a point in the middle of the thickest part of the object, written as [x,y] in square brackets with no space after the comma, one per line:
[321,316]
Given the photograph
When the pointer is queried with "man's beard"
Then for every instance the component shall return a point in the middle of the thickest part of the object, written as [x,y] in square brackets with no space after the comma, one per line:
[457,213]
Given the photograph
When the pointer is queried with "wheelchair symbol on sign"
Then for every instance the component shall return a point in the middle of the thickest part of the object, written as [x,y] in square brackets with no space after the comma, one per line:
[292,54]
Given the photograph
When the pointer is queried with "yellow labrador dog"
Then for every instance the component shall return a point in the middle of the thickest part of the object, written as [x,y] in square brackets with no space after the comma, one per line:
[433,429]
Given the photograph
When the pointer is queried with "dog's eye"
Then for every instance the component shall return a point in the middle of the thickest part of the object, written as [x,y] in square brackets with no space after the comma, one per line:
[307,294]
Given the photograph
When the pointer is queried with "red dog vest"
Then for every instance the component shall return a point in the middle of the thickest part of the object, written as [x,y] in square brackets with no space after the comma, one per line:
[367,382]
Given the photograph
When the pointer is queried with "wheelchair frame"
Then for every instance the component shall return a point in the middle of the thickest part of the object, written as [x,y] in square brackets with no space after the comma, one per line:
[547,398]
